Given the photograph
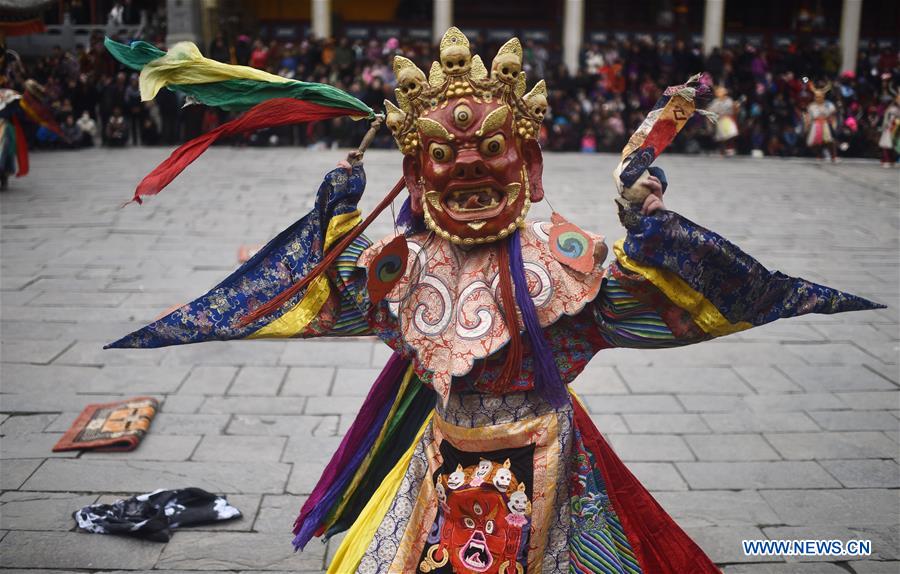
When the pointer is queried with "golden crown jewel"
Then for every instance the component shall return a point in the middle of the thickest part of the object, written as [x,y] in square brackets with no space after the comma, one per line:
[459,74]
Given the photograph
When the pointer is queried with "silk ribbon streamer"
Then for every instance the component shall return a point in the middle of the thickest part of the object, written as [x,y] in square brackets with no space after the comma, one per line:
[269,114]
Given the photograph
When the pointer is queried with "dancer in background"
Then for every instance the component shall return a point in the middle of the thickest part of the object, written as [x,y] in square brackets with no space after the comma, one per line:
[726,110]
[889,142]
[820,121]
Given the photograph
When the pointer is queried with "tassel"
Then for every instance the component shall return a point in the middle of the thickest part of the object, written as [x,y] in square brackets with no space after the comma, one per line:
[547,381]
[514,352]
[271,113]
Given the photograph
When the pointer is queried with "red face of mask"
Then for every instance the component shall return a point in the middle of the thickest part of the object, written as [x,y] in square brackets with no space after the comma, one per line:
[477,534]
[474,176]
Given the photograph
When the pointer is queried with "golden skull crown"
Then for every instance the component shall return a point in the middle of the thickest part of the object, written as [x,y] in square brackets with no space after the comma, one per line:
[458,74]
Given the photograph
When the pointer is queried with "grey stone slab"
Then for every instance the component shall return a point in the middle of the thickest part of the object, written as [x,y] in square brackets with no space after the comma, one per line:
[184,404]
[733,447]
[240,448]
[160,447]
[673,423]
[605,423]
[278,512]
[855,420]
[632,404]
[766,379]
[283,425]
[723,543]
[237,551]
[25,549]
[224,353]
[707,380]
[167,423]
[866,473]
[876,567]
[793,402]
[753,421]
[724,353]
[145,476]
[208,380]
[844,507]
[824,445]
[755,475]
[597,379]
[79,298]
[840,377]
[263,381]
[650,447]
[308,381]
[135,381]
[92,354]
[13,473]
[22,378]
[333,405]
[41,510]
[25,424]
[712,403]
[50,403]
[658,476]
[35,352]
[314,453]
[32,445]
[829,354]
[871,400]
[354,382]
[328,354]
[717,508]
[255,405]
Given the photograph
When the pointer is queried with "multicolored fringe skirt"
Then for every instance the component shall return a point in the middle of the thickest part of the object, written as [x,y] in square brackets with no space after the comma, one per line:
[497,485]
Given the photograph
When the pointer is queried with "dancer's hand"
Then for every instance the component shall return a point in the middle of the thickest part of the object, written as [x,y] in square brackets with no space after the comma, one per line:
[654,201]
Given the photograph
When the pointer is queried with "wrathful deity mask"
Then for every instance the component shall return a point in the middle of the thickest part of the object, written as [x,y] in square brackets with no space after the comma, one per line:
[484,516]
[473,165]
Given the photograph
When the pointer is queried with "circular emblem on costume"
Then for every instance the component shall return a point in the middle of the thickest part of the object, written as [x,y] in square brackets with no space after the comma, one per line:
[387,268]
[570,245]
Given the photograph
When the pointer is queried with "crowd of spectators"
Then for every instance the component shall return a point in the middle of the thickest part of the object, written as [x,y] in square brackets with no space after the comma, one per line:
[98,102]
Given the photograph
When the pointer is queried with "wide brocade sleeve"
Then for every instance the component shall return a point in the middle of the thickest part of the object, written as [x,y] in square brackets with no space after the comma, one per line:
[674,283]
[327,307]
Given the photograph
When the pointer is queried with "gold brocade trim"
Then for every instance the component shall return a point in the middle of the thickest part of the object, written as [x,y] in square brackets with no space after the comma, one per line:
[411,544]
[543,433]
[702,311]
[299,317]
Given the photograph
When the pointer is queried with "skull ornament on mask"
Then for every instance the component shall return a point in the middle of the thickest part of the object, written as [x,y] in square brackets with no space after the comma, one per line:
[503,477]
[457,478]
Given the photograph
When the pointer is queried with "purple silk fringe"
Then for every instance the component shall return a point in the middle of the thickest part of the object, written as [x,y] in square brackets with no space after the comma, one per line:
[346,459]
[407,220]
[547,381]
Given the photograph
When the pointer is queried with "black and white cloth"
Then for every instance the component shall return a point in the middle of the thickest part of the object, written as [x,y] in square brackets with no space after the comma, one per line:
[154,515]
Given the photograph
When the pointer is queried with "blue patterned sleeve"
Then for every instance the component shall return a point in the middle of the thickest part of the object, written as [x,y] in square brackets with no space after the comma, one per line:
[282,262]
[721,275]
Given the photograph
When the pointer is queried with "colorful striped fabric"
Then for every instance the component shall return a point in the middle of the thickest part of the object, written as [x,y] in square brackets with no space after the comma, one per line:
[627,322]
[351,283]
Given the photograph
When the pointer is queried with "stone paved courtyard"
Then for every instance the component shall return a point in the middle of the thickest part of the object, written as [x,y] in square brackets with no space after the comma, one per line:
[788,431]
